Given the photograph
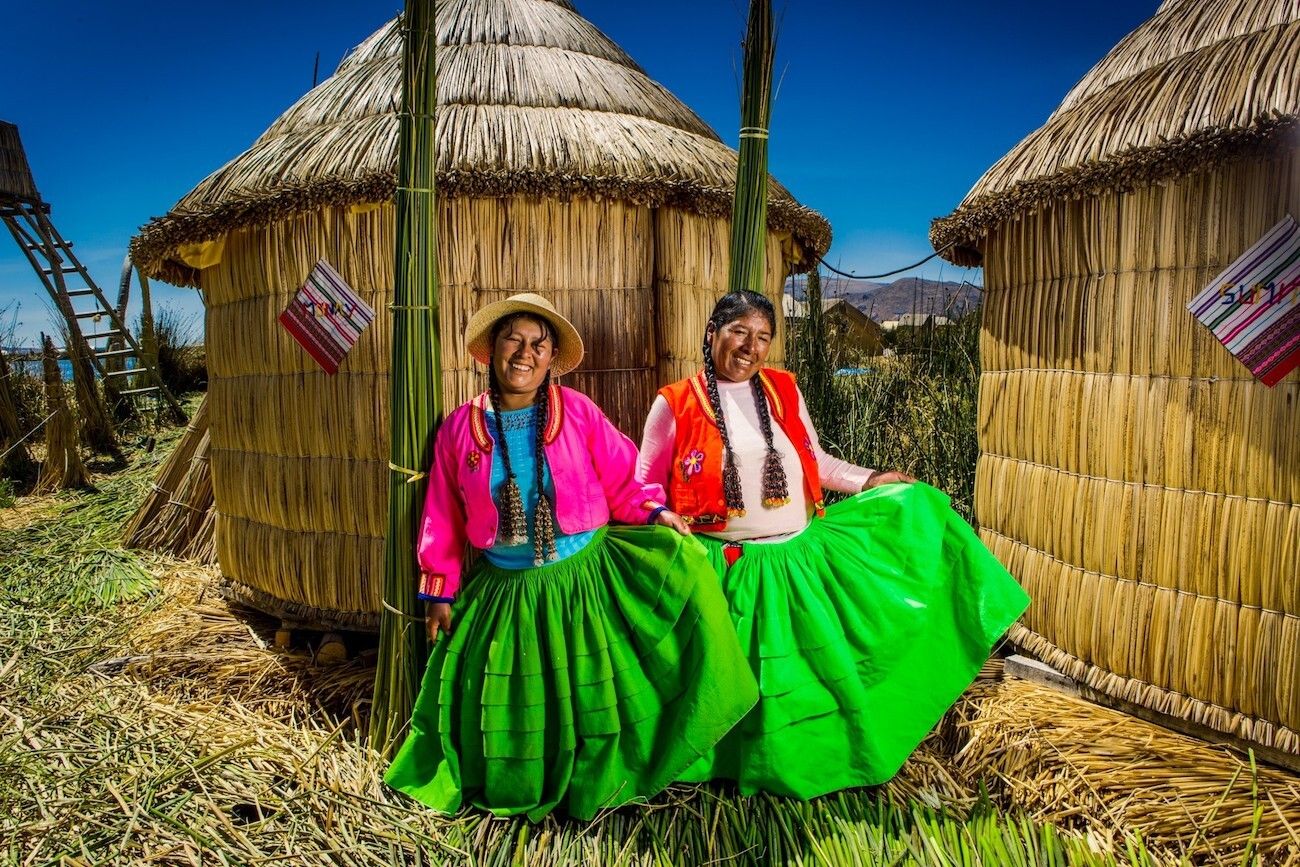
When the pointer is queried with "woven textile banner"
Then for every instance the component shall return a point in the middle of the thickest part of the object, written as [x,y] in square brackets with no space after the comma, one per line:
[1253,307]
[326,317]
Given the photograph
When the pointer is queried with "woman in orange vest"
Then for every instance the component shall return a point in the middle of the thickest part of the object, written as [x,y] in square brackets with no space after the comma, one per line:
[863,621]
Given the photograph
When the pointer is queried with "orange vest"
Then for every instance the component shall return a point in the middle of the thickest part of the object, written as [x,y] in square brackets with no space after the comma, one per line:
[695,478]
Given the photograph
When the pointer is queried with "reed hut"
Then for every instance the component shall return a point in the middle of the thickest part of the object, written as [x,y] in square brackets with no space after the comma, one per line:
[1133,475]
[562,169]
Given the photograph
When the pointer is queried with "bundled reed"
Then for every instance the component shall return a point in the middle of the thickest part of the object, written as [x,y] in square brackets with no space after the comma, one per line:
[17,463]
[62,467]
[147,333]
[749,212]
[414,398]
[177,516]
[600,202]
[1134,476]
[96,430]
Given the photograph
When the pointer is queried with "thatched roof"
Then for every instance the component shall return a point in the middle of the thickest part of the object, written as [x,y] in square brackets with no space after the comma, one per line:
[533,100]
[15,175]
[1201,82]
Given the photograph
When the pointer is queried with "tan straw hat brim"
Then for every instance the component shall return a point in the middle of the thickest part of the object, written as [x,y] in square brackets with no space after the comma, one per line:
[478,336]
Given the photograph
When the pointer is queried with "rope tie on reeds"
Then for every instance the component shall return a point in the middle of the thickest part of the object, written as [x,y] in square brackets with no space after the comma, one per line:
[753,132]
[1137,582]
[391,610]
[412,307]
[415,475]
[402,189]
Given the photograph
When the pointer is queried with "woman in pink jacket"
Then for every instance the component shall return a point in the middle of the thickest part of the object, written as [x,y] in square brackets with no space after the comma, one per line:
[588,665]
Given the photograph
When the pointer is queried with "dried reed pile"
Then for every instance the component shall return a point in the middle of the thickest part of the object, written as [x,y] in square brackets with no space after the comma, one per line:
[178,516]
[62,467]
[1141,485]
[1105,774]
[562,169]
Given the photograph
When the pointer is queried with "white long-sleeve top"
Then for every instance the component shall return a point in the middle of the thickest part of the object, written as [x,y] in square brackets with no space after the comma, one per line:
[759,523]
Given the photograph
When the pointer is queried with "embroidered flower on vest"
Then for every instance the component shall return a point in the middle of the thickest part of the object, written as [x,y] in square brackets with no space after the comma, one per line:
[473,459]
[692,464]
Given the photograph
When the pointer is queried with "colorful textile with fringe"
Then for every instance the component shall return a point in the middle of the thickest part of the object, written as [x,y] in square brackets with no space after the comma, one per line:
[326,317]
[1253,307]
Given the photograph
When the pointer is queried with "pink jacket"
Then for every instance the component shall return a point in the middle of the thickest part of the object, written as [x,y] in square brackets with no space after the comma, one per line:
[592,464]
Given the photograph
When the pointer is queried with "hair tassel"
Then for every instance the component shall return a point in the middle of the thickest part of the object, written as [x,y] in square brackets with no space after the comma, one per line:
[544,549]
[513,526]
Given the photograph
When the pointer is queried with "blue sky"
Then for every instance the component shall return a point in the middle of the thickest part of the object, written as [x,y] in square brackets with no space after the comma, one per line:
[886,114]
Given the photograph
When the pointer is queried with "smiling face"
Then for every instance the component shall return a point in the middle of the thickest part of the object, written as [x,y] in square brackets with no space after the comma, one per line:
[740,347]
[522,350]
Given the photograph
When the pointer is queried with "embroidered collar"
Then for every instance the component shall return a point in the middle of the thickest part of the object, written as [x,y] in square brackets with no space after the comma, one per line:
[478,420]
[700,388]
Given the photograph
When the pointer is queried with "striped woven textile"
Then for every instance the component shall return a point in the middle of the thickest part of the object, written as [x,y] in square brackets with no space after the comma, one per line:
[1253,307]
[326,317]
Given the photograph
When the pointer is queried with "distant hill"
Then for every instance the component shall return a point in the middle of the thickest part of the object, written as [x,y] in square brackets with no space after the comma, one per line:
[883,301]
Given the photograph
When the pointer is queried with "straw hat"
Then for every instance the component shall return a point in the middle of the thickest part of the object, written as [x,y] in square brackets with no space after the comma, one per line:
[478,336]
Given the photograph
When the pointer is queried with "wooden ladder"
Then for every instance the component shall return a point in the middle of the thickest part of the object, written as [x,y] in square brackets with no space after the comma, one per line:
[58,267]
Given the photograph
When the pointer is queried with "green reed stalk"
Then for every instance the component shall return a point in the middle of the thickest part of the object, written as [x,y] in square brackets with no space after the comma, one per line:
[415,387]
[749,213]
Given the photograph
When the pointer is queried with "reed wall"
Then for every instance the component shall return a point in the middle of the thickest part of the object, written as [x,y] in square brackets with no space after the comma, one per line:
[299,459]
[1138,481]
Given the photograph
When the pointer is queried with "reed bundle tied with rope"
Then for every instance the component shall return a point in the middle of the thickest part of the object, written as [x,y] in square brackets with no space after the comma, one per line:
[414,395]
[62,467]
[749,213]
[1134,476]
[299,459]
[97,430]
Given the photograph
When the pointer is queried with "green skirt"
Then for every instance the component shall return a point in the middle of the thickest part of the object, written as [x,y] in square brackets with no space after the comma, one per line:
[582,684]
[862,631]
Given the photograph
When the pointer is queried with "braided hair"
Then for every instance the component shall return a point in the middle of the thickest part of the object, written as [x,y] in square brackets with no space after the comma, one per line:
[512,527]
[776,489]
